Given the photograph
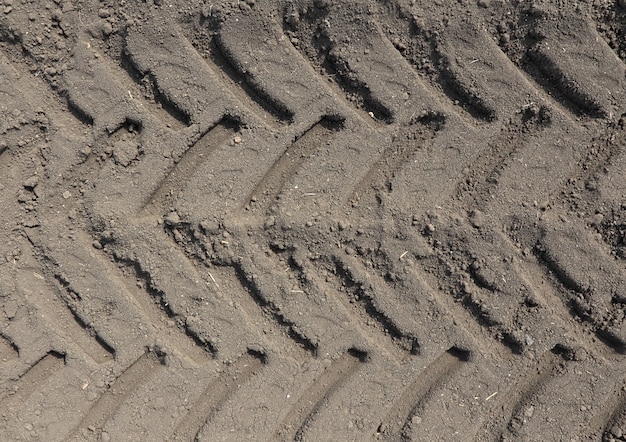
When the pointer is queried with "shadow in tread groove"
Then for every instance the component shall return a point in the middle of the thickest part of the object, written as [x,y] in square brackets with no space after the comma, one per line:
[138,373]
[219,61]
[154,307]
[295,424]
[59,309]
[394,425]
[183,170]
[511,406]
[8,350]
[212,398]
[255,288]
[612,414]
[267,190]
[30,381]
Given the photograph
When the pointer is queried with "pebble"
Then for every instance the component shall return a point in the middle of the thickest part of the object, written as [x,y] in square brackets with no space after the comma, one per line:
[67,194]
[172,219]
[107,29]
[31,182]
[237,139]
[616,431]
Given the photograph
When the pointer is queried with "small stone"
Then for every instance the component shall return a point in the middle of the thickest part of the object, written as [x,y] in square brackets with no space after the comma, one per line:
[484,3]
[616,431]
[107,28]
[104,437]
[529,411]
[430,228]
[104,13]
[172,219]
[31,182]
[8,9]
[67,194]
[96,245]
[237,139]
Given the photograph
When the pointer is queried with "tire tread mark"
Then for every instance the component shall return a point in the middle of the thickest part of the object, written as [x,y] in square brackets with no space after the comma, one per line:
[318,49]
[255,288]
[415,43]
[230,283]
[294,425]
[482,173]
[354,282]
[154,307]
[610,413]
[219,62]
[398,153]
[8,350]
[155,100]
[396,421]
[60,310]
[513,401]
[356,315]
[184,168]
[212,398]
[31,380]
[119,391]
[572,255]
[269,187]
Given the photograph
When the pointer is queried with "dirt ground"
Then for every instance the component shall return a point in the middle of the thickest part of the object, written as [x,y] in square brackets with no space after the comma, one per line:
[312,220]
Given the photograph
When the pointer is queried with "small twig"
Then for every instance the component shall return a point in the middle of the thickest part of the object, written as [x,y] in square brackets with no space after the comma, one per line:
[491,395]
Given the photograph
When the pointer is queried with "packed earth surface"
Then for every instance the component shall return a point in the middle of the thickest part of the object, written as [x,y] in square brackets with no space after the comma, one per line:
[314,220]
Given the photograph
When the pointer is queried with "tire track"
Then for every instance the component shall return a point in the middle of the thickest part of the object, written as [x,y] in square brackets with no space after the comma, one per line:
[416,135]
[17,392]
[331,291]
[611,413]
[510,408]
[61,314]
[56,305]
[183,170]
[8,350]
[415,395]
[231,379]
[267,191]
[427,54]
[235,285]
[261,289]
[574,257]
[118,392]
[294,425]
[482,174]
[356,283]
[271,113]
[154,307]
[179,72]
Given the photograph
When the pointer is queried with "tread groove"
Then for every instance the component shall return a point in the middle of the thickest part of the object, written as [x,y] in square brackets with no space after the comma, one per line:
[219,62]
[268,306]
[342,271]
[394,425]
[294,425]
[118,392]
[218,392]
[176,179]
[31,380]
[61,310]
[514,400]
[268,189]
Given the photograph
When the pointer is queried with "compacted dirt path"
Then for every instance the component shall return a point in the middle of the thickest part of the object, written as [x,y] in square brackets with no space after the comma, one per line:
[312,220]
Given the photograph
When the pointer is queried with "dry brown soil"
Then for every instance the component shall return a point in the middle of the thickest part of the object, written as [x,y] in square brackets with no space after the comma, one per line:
[312,220]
